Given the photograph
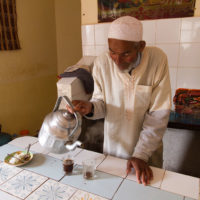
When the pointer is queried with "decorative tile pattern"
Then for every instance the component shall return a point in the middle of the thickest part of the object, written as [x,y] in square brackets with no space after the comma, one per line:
[130,190]
[81,195]
[47,166]
[158,175]
[23,184]
[85,155]
[114,166]
[7,171]
[6,196]
[104,185]
[52,190]
[181,184]
[23,142]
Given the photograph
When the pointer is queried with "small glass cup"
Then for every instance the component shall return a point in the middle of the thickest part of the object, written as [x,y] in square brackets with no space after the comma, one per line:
[68,165]
[88,169]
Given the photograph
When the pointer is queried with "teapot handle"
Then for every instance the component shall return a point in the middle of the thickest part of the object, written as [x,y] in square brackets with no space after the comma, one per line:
[70,104]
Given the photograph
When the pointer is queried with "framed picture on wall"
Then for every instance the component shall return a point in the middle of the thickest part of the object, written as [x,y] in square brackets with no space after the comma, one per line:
[108,10]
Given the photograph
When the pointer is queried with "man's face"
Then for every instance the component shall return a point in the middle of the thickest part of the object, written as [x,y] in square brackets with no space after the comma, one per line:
[123,53]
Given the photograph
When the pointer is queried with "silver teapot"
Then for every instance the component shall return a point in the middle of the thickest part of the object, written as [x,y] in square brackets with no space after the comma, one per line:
[60,129]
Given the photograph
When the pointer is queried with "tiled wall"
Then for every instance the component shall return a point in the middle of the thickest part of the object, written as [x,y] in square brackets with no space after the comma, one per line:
[179,38]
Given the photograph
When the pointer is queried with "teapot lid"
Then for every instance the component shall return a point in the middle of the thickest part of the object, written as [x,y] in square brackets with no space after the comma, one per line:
[64,119]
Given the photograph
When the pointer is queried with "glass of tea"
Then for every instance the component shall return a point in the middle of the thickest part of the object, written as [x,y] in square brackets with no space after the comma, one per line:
[68,165]
[89,169]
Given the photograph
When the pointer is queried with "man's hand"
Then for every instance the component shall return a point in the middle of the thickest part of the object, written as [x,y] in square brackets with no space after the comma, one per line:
[83,107]
[143,172]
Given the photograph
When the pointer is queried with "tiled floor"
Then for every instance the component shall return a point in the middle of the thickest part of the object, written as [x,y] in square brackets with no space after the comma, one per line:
[130,190]
[46,166]
[38,148]
[181,184]
[103,184]
[8,148]
[158,175]
[114,166]
[63,156]
[82,195]
[23,184]
[6,196]
[7,171]
[52,190]
[110,181]
[23,142]
[85,155]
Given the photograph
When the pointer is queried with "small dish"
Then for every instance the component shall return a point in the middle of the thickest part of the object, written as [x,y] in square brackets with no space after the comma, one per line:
[20,162]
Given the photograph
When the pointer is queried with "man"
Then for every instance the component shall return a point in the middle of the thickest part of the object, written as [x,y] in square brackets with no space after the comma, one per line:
[132,92]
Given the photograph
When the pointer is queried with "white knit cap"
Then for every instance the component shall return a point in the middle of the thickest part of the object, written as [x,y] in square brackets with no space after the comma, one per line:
[126,28]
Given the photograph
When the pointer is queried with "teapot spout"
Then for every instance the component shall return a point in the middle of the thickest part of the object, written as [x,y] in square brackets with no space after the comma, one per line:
[71,147]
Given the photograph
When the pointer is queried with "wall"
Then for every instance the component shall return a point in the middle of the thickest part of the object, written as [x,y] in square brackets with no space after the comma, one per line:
[68,33]
[179,38]
[89,14]
[28,75]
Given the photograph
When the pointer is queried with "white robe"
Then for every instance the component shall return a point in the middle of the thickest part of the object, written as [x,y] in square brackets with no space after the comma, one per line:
[135,107]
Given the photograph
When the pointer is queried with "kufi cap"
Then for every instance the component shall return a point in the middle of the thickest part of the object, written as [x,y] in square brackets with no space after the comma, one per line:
[126,28]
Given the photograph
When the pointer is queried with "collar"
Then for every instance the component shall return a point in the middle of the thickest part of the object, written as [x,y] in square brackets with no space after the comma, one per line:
[135,64]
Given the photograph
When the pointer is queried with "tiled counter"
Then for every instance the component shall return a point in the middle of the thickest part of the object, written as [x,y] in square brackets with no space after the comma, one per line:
[44,179]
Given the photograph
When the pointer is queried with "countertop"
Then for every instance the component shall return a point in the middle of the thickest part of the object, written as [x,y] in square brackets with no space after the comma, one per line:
[44,178]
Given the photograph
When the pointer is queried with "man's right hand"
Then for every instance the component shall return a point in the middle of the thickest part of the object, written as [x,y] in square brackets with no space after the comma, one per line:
[83,107]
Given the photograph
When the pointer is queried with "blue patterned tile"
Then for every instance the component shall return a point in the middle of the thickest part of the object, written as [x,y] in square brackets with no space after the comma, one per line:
[103,184]
[7,171]
[46,166]
[52,190]
[6,196]
[23,184]
[82,195]
[131,190]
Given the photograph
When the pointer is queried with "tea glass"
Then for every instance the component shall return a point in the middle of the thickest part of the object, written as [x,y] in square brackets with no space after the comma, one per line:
[89,169]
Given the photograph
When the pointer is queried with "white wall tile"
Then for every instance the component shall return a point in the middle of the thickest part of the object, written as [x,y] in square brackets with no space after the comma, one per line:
[168,30]
[190,29]
[188,78]
[189,55]
[149,31]
[172,51]
[170,35]
[173,77]
[87,32]
[89,50]
[101,33]
[100,49]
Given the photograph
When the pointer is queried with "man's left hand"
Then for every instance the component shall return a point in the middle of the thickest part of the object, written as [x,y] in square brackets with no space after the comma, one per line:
[143,172]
